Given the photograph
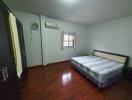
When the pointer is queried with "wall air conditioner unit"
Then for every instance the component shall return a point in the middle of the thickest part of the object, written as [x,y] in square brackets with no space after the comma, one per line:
[51,25]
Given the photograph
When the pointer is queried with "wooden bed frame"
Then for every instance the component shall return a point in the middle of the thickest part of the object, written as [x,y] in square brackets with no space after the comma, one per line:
[112,56]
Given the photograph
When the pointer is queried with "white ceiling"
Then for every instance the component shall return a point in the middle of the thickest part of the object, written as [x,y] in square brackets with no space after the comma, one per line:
[84,12]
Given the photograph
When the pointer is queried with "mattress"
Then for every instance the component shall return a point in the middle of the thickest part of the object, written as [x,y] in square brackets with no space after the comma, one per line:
[99,68]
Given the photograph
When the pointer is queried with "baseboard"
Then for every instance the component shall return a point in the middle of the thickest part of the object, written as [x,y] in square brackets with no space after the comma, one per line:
[58,62]
[37,66]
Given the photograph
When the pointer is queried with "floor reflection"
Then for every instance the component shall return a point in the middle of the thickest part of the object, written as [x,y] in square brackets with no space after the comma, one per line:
[66,78]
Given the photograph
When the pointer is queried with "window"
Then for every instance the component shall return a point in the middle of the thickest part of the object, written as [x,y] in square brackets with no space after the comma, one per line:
[68,40]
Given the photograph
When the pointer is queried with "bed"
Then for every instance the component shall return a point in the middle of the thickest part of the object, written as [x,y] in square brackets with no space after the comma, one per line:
[102,68]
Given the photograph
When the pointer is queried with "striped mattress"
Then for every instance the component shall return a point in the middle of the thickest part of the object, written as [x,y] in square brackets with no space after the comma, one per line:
[99,68]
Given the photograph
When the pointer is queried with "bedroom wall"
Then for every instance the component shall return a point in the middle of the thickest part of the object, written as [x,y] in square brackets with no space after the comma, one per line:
[113,36]
[51,40]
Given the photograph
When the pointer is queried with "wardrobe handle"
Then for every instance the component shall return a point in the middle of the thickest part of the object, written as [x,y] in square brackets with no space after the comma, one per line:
[6,72]
[3,75]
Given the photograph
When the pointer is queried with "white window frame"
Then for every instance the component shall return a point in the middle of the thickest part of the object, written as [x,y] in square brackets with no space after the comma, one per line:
[73,41]
[62,40]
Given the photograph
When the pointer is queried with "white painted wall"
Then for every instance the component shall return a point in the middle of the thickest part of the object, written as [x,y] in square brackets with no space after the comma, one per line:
[51,40]
[113,36]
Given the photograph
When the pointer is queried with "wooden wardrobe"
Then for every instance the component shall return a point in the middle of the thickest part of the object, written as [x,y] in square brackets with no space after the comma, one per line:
[10,79]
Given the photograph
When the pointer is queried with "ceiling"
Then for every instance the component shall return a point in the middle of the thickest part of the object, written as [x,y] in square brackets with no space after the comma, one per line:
[84,12]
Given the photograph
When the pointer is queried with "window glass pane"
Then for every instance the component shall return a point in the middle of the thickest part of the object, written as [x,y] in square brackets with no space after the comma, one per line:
[70,44]
[71,37]
[65,37]
[65,43]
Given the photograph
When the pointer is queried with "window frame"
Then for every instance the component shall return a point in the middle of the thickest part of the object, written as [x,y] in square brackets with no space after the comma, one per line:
[73,41]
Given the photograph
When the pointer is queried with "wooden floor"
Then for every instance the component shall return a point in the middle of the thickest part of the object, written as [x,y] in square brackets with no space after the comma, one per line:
[61,82]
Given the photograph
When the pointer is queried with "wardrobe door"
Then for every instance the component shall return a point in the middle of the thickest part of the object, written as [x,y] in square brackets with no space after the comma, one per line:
[22,46]
[8,76]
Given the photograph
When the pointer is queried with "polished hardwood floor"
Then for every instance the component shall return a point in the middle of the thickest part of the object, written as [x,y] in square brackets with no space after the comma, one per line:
[61,82]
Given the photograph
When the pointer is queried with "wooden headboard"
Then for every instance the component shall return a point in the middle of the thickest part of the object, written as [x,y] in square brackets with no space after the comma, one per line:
[112,56]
